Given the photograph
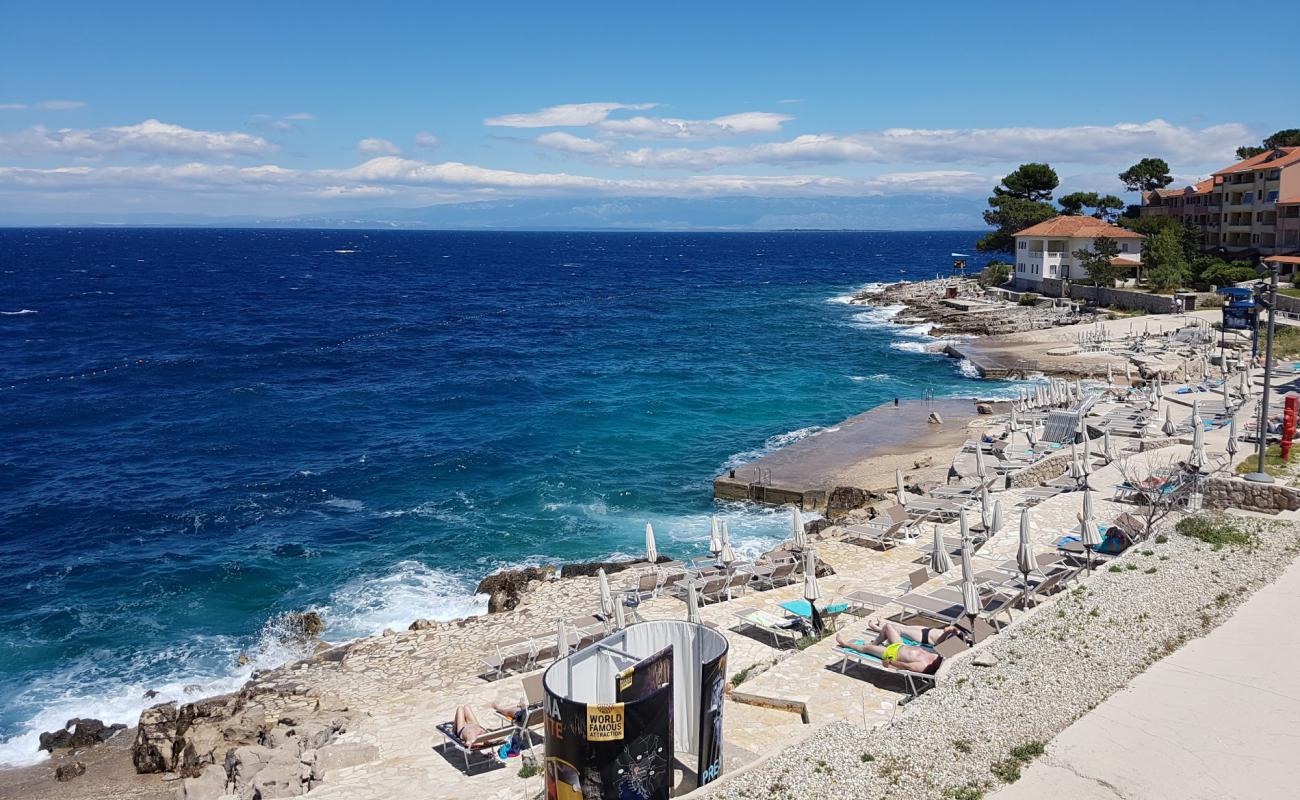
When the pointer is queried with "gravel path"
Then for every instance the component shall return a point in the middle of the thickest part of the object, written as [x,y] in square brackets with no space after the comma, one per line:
[956,741]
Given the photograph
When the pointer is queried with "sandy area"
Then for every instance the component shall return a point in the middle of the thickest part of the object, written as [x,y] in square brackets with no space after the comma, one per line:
[109,773]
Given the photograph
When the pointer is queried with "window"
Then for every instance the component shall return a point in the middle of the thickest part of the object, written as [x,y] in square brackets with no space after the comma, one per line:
[1023,245]
[1123,248]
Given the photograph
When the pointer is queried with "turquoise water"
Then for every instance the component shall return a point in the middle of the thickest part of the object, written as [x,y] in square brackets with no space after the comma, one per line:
[205,428]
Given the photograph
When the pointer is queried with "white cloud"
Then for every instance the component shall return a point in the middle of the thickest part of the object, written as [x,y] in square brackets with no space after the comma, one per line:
[559,140]
[375,146]
[386,175]
[426,140]
[790,100]
[1087,144]
[289,123]
[60,105]
[562,116]
[151,138]
[300,116]
[748,122]
[45,105]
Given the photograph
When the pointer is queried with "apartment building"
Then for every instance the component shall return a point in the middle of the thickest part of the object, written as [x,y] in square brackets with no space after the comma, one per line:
[1249,208]
[1046,250]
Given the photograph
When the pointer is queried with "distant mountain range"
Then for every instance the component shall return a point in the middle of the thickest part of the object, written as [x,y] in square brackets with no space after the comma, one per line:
[899,212]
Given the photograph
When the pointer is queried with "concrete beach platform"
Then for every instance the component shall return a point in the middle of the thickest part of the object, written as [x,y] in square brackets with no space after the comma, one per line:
[862,451]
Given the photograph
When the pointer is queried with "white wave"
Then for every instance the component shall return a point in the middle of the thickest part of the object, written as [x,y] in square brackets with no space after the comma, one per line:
[206,666]
[366,606]
[966,368]
[773,443]
[875,317]
[20,312]
[921,331]
[344,503]
[879,376]
[915,347]
[345,252]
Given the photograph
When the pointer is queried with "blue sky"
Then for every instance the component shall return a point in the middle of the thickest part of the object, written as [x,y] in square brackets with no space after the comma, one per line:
[289,108]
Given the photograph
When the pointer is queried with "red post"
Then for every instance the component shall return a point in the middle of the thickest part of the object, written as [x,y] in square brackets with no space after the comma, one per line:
[1289,412]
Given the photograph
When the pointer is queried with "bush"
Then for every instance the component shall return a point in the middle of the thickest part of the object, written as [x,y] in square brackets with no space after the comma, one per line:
[995,274]
[1214,531]
[1028,299]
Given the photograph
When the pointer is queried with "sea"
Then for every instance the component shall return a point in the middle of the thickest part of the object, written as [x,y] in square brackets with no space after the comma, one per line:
[201,429]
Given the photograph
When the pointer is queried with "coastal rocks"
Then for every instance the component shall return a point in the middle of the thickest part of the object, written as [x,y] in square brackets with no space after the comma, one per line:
[505,588]
[154,737]
[844,499]
[588,569]
[923,462]
[338,756]
[305,624]
[78,733]
[209,785]
[421,624]
[935,419]
[67,772]
[983,409]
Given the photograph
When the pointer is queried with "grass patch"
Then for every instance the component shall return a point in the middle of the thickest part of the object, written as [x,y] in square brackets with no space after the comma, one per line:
[1008,770]
[741,676]
[1028,751]
[1149,570]
[1115,568]
[962,746]
[529,771]
[971,791]
[867,758]
[1161,538]
[1273,463]
[809,641]
[1217,532]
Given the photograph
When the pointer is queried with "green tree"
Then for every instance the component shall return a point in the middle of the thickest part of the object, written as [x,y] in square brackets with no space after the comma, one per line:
[1096,262]
[1146,175]
[995,274]
[1189,237]
[1220,273]
[1165,262]
[1289,137]
[1104,207]
[1021,200]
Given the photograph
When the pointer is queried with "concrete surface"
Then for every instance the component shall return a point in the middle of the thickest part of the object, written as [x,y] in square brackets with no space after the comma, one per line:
[1220,718]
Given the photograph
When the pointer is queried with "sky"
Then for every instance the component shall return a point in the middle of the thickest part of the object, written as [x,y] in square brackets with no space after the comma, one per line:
[283,108]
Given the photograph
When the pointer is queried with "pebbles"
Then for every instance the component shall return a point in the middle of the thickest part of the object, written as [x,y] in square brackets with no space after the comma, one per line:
[1046,672]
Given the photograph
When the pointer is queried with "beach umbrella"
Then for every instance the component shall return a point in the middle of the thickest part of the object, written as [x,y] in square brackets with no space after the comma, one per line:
[561,638]
[1232,437]
[1197,459]
[986,510]
[1025,549]
[899,488]
[1076,469]
[1187,376]
[1106,450]
[715,536]
[692,603]
[620,617]
[1227,396]
[970,596]
[1088,534]
[997,518]
[1078,389]
[1160,387]
[651,552]
[1085,463]
[1013,424]
[606,598]
[1169,429]
[726,555]
[1031,433]
[1128,372]
[1110,375]
[980,472]
[939,561]
[811,591]
[800,538]
[1245,384]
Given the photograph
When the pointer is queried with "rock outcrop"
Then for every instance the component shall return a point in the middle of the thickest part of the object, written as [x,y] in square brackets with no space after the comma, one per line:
[505,588]
[590,568]
[66,772]
[79,733]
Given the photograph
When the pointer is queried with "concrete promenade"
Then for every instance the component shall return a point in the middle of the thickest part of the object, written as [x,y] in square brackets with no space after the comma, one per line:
[1220,718]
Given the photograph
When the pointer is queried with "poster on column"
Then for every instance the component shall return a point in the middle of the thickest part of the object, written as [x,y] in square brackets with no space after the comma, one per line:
[713,679]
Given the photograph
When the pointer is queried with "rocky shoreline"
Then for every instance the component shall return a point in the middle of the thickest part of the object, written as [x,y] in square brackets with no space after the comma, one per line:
[962,307]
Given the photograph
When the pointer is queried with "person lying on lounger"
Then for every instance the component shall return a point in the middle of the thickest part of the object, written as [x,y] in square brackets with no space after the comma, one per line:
[469,729]
[893,652]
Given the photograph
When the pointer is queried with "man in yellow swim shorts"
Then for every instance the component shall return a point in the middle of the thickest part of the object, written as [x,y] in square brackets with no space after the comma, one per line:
[890,645]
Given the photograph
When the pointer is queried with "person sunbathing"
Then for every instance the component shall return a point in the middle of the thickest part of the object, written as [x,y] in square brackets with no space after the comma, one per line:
[893,652]
[469,729]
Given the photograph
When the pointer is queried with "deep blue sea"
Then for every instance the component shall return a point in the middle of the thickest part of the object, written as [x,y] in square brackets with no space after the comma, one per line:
[203,429]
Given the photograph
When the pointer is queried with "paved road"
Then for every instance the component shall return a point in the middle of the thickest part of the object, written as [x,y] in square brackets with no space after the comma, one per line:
[1198,724]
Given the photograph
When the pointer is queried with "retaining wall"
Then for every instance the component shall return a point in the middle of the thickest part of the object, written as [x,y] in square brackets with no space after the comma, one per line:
[1269,498]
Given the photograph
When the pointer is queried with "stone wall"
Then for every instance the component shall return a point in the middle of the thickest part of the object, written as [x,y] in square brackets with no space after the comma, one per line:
[1269,498]
[1053,287]
[1053,466]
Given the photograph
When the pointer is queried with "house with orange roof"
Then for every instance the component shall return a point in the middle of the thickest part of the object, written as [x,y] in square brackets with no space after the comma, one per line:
[1249,208]
[1046,250]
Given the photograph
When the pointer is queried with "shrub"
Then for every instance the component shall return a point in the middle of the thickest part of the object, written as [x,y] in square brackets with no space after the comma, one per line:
[995,274]
[1007,771]
[1214,531]
[529,770]
[1028,299]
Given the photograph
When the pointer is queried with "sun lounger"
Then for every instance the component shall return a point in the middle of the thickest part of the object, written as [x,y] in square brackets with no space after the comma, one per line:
[875,537]
[779,628]
[732,586]
[868,601]
[915,579]
[704,589]
[917,682]
[533,695]
[487,744]
[510,655]
[945,605]
[778,574]
[932,509]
